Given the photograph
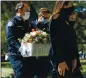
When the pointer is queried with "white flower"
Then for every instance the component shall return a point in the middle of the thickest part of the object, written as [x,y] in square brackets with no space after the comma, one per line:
[25,39]
[33,34]
[44,33]
[27,35]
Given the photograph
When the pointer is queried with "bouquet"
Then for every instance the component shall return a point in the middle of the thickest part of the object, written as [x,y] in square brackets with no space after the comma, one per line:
[37,36]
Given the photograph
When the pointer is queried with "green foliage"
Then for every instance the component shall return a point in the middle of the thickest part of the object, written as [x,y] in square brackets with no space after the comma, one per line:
[40,4]
[80,28]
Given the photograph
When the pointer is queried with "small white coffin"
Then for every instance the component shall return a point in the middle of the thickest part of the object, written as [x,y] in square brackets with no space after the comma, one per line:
[35,49]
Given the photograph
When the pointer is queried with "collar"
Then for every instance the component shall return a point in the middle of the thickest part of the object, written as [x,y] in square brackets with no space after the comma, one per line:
[18,17]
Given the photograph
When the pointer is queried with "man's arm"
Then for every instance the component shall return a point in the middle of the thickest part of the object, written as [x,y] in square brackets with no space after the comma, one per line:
[11,39]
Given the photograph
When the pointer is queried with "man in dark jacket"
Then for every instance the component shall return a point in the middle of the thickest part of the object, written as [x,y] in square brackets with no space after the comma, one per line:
[16,29]
[63,52]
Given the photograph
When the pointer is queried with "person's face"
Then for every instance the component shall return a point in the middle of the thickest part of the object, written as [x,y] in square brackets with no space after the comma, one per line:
[42,19]
[25,9]
[67,11]
[70,4]
[22,11]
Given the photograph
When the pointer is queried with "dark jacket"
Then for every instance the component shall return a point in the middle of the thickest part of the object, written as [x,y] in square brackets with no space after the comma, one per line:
[63,42]
[15,29]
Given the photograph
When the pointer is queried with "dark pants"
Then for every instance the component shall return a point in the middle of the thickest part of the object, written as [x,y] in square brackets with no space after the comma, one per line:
[28,67]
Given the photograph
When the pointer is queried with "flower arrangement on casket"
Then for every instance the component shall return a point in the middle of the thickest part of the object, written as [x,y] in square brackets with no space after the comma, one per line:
[35,43]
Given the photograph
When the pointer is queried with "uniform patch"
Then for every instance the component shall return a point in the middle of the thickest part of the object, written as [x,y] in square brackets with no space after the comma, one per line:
[9,24]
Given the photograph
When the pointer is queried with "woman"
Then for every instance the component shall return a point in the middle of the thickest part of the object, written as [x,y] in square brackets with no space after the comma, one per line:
[43,19]
[43,63]
[63,52]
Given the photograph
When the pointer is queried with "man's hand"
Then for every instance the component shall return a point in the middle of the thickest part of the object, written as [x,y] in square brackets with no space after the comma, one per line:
[62,67]
[20,49]
[22,45]
[74,64]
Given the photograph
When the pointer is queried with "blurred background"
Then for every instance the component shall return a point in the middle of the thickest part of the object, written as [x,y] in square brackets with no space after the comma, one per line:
[8,11]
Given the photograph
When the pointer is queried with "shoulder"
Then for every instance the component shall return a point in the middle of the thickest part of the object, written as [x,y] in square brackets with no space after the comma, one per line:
[10,22]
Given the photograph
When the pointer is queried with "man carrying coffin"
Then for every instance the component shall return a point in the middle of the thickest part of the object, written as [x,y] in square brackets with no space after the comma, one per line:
[16,28]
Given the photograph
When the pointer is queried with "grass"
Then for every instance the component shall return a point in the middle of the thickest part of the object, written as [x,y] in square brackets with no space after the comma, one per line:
[6,69]
[6,72]
[5,64]
[83,62]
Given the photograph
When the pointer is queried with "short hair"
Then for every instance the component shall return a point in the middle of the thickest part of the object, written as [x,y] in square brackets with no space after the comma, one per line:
[45,12]
[20,5]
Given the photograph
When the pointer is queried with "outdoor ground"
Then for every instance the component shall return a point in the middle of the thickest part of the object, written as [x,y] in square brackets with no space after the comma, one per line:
[7,70]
